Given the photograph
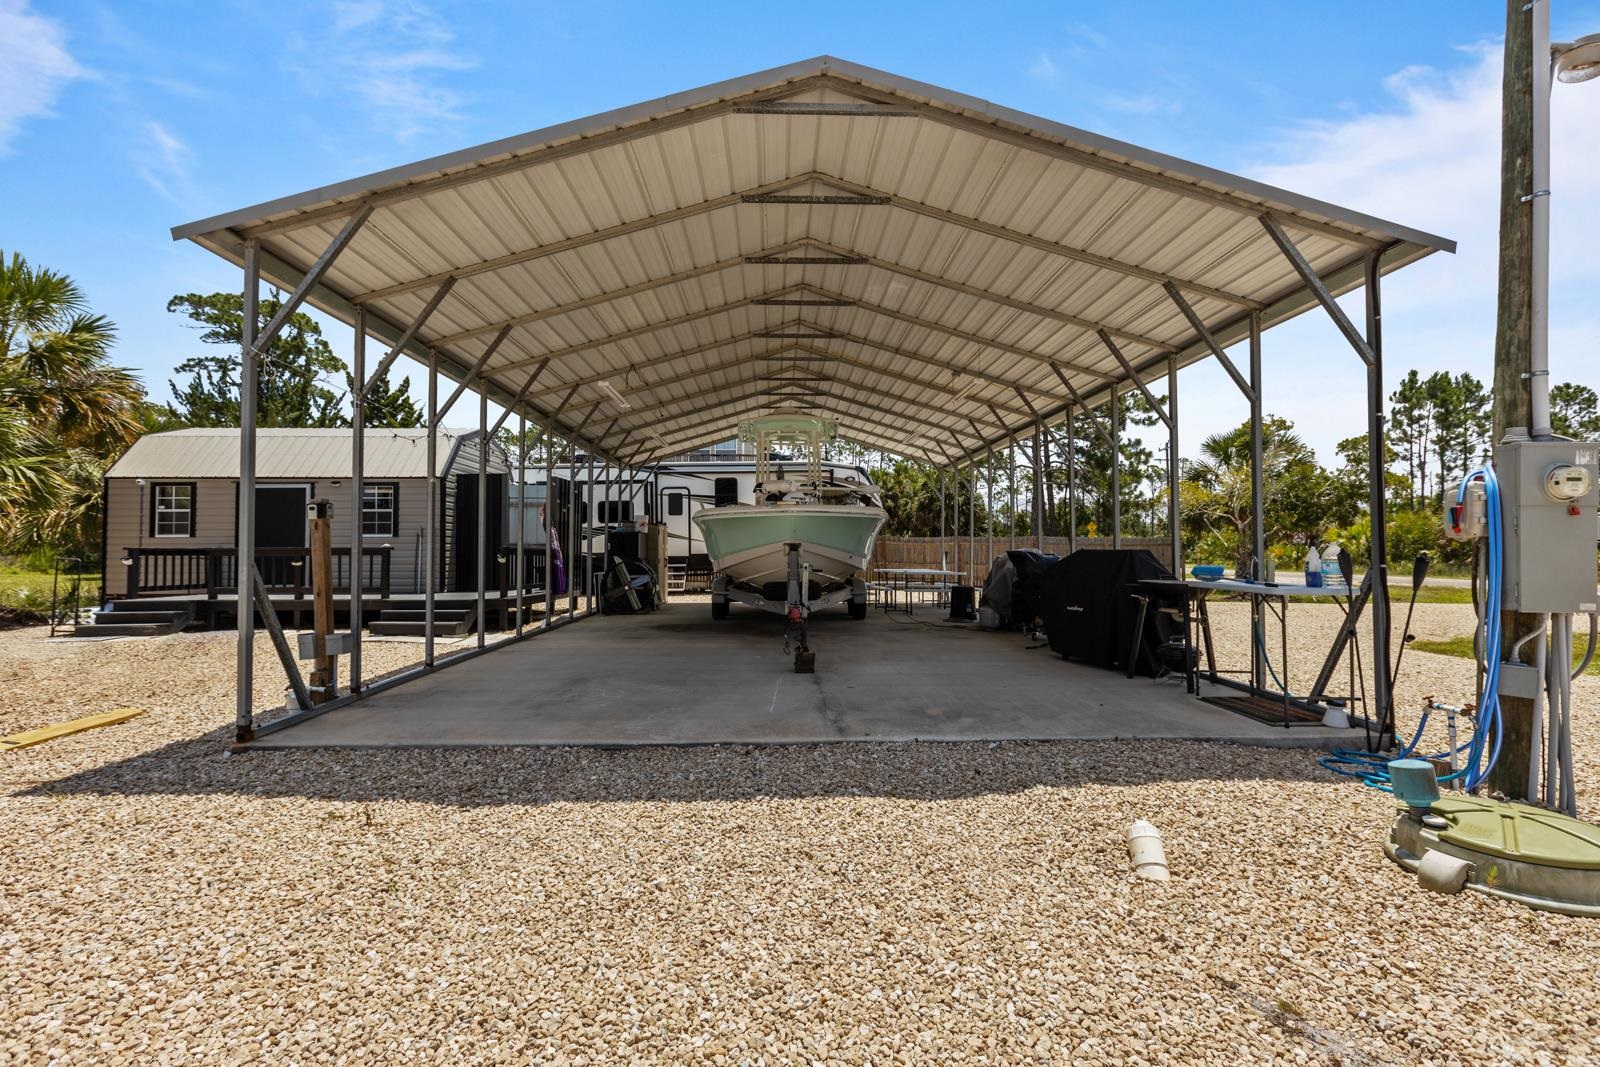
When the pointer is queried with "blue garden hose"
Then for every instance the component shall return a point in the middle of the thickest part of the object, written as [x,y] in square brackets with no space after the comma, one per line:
[1483,748]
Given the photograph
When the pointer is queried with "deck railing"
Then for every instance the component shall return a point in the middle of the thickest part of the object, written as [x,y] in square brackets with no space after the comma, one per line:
[505,572]
[164,570]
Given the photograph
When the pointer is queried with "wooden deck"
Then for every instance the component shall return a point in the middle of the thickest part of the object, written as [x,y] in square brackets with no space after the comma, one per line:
[294,610]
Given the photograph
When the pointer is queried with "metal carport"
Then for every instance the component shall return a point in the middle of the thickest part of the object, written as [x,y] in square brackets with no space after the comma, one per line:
[942,276]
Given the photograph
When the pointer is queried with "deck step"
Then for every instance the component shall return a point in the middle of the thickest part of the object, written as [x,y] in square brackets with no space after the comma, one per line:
[122,629]
[440,615]
[109,621]
[382,628]
[114,616]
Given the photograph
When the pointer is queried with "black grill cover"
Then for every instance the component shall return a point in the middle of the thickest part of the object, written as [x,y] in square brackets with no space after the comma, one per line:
[1089,612]
[1027,589]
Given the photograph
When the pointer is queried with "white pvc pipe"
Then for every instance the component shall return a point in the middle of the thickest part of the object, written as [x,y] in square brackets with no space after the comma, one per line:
[1148,853]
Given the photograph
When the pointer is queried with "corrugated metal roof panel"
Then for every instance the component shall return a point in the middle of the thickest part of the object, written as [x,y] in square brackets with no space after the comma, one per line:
[285,453]
[993,246]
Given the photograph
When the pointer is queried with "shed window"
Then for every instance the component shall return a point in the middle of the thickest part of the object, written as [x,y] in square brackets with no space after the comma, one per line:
[378,510]
[172,512]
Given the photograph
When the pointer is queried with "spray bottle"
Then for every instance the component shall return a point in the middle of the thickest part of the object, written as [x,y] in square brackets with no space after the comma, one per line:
[1313,568]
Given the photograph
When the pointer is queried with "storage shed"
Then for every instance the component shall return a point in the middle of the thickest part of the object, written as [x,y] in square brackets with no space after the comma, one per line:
[172,509]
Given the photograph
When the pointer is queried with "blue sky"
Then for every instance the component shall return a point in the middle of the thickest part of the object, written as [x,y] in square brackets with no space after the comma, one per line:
[119,121]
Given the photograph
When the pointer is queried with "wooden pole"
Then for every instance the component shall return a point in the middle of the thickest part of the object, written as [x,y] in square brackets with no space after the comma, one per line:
[1513,403]
[322,678]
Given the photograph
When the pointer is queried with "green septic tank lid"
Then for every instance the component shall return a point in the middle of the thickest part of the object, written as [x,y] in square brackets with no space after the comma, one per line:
[1519,832]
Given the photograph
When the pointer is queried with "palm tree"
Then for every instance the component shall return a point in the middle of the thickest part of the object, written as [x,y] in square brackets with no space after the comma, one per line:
[65,411]
[1216,488]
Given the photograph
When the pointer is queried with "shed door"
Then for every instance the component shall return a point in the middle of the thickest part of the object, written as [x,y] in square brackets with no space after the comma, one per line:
[464,573]
[281,516]
[281,523]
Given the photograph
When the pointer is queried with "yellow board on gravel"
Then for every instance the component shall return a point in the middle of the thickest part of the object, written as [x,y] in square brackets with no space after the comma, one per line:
[62,729]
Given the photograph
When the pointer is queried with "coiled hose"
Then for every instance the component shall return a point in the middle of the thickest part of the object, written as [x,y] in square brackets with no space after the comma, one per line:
[1482,750]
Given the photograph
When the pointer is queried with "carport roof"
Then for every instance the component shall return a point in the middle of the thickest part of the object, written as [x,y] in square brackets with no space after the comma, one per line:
[932,271]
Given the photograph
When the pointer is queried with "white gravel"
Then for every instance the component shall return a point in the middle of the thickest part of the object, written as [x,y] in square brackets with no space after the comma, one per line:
[162,902]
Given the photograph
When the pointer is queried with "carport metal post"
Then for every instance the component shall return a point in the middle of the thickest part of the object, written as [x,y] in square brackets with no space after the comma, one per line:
[1258,496]
[358,455]
[548,435]
[572,525]
[1378,554]
[1370,349]
[1169,418]
[988,486]
[1072,481]
[972,517]
[588,536]
[1173,516]
[430,543]
[1116,468]
[1011,489]
[483,511]
[521,568]
[1038,494]
[944,556]
[244,698]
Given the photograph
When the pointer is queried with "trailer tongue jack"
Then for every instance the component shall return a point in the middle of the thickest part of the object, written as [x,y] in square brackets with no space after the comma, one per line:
[794,630]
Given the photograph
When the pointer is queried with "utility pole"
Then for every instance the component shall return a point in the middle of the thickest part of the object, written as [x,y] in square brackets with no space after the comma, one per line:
[1513,385]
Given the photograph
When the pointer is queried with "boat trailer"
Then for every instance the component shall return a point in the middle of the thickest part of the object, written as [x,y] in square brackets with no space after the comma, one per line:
[796,608]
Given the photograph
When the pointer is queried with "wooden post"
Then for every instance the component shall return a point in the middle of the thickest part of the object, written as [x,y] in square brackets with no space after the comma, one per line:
[322,677]
[1513,400]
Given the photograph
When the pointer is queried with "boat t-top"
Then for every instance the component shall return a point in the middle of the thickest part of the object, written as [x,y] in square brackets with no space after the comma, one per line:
[804,540]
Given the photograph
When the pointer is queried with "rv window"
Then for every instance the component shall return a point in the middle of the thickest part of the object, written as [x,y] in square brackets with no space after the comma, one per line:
[674,503]
[173,509]
[727,491]
[378,510]
[614,511]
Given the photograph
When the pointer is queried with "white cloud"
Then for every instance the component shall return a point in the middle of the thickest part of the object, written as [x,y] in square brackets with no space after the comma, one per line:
[163,160]
[391,56]
[34,65]
[1429,159]
[1141,103]
[1043,69]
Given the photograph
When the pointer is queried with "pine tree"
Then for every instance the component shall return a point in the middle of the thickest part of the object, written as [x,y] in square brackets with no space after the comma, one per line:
[294,370]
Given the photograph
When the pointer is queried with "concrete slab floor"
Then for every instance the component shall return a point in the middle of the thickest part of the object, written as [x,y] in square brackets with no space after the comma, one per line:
[678,677]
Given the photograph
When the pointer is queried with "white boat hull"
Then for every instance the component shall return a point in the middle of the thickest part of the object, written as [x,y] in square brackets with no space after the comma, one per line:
[749,543]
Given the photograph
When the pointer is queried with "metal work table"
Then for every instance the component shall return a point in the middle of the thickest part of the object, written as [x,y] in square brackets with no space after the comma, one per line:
[903,582]
[1194,591]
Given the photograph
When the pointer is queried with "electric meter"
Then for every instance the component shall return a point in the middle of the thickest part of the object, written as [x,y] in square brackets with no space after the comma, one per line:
[1563,483]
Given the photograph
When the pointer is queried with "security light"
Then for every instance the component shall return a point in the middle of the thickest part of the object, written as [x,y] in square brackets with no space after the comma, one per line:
[1577,61]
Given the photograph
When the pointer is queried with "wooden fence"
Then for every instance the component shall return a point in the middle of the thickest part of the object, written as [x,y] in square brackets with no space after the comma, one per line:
[925,551]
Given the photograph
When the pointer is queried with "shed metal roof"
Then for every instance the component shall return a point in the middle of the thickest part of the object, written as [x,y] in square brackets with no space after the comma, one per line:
[289,453]
[932,271]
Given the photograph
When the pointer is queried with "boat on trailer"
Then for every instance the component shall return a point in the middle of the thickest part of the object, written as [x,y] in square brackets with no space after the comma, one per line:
[803,542]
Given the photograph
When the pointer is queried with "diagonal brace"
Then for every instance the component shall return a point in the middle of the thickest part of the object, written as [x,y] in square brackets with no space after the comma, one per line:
[1303,268]
[472,376]
[1149,397]
[311,278]
[1088,413]
[506,413]
[1211,342]
[411,331]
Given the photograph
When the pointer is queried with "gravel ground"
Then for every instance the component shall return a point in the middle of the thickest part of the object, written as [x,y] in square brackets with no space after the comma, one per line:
[163,902]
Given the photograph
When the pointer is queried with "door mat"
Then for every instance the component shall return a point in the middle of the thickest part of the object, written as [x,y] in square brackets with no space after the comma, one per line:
[1267,710]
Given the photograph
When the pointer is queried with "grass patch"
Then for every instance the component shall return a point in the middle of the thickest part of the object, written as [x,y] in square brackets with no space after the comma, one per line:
[25,593]
[1462,647]
[1431,594]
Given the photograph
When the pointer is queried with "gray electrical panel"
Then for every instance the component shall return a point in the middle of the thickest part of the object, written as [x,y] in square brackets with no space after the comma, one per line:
[1548,502]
